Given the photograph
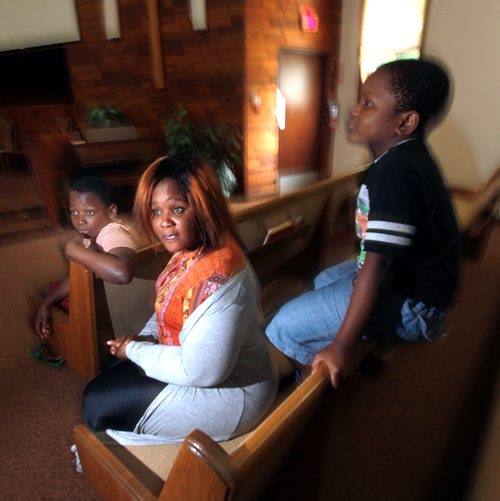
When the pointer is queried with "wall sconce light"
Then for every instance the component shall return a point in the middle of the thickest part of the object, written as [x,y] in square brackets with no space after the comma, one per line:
[256,101]
[111,19]
[333,112]
[198,12]
[280,109]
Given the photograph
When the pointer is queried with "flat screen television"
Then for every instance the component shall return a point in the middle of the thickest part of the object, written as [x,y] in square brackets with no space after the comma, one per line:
[34,77]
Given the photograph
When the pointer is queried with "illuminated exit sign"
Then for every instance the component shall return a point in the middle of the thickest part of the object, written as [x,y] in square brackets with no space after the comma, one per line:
[309,18]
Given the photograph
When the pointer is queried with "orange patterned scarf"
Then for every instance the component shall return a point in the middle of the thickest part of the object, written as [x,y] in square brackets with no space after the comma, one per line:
[189,279]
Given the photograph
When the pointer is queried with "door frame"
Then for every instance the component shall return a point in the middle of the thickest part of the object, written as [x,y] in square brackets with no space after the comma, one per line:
[325,131]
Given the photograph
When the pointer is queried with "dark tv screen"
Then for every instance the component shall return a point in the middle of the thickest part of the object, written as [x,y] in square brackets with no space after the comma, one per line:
[34,77]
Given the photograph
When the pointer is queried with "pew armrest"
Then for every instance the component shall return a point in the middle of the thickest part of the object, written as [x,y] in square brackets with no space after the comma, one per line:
[74,333]
[107,473]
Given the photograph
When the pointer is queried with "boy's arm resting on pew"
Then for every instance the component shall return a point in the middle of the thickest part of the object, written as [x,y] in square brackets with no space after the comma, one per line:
[81,336]
[114,266]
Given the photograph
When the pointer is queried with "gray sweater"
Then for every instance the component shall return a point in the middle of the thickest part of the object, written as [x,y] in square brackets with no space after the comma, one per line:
[221,379]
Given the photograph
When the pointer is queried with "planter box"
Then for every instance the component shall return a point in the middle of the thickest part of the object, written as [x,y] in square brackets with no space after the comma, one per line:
[109,134]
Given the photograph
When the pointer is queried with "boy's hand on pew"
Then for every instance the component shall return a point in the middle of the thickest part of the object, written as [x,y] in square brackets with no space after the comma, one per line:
[72,246]
[42,322]
[336,357]
[339,356]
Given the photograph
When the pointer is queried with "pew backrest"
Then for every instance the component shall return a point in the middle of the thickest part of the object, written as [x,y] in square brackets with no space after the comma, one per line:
[99,311]
[131,306]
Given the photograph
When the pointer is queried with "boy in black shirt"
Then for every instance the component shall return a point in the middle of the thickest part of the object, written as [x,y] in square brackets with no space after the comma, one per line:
[405,278]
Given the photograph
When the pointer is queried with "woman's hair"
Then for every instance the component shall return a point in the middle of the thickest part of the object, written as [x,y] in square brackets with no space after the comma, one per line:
[97,185]
[418,85]
[202,187]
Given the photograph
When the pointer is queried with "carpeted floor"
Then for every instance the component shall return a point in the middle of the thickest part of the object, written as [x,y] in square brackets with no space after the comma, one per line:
[40,404]
[410,434]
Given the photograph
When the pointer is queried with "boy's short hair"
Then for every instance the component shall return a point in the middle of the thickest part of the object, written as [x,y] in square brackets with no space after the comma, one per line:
[97,185]
[419,85]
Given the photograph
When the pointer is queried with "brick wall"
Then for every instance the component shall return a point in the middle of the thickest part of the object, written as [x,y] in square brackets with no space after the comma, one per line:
[211,72]
[202,69]
[272,25]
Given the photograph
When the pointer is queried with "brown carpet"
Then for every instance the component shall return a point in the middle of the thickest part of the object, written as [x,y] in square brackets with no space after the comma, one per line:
[40,404]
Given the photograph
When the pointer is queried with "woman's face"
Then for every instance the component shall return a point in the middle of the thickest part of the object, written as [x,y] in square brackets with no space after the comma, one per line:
[173,219]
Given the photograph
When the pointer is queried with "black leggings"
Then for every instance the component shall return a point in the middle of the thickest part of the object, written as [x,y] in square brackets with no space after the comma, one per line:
[119,397]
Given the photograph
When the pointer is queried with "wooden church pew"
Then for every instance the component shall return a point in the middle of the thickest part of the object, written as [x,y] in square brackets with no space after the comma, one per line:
[81,336]
[475,210]
[277,234]
[199,468]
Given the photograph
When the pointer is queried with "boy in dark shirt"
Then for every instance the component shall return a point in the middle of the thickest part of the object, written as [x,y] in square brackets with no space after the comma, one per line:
[404,280]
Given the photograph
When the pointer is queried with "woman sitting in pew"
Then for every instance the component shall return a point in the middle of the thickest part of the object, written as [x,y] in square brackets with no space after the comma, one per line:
[201,360]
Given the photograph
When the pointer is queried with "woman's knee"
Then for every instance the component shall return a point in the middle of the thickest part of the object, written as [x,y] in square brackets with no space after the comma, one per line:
[119,397]
[92,407]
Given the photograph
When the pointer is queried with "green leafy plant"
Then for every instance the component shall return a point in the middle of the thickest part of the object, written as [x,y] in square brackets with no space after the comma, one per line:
[104,116]
[219,145]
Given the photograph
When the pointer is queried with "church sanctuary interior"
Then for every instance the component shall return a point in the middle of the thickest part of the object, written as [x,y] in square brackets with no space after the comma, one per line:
[264,88]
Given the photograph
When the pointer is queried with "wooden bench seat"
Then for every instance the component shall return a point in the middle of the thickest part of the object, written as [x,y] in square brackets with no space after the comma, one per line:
[199,468]
[151,463]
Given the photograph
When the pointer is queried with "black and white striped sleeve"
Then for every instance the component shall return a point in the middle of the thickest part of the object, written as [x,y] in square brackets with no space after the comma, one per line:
[390,233]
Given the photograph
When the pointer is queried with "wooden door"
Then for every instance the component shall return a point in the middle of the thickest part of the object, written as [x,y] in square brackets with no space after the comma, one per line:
[302,83]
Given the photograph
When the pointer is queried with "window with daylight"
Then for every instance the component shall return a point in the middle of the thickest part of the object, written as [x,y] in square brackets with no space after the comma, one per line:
[391,29]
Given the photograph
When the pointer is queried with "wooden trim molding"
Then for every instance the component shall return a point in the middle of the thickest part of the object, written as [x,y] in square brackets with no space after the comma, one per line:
[155,44]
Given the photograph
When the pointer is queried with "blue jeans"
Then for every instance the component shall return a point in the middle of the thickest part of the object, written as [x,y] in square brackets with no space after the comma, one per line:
[310,322]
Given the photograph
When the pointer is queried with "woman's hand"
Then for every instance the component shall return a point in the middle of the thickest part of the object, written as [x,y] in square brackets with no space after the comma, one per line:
[117,347]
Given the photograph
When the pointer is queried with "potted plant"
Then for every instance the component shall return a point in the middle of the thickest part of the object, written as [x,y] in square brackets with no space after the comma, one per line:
[105,123]
[219,145]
